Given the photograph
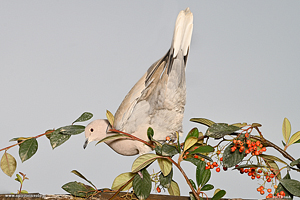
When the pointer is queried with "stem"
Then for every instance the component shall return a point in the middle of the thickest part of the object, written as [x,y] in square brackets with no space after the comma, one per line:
[121,188]
[133,137]
[185,176]
[6,148]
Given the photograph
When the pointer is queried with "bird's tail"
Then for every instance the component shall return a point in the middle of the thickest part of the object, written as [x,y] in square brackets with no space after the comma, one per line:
[182,33]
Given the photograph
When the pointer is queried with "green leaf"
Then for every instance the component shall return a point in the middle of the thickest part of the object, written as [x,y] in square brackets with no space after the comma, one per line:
[230,159]
[218,130]
[8,164]
[121,180]
[218,195]
[241,125]
[295,162]
[293,186]
[203,149]
[166,150]
[298,141]
[19,139]
[19,179]
[110,118]
[286,130]
[190,142]
[281,188]
[193,133]
[165,166]
[207,187]
[269,157]
[57,139]
[84,117]
[203,121]
[142,185]
[143,161]
[174,189]
[150,133]
[195,161]
[112,137]
[24,192]
[248,166]
[274,166]
[201,173]
[295,137]
[78,189]
[193,184]
[283,143]
[72,129]
[28,149]
[165,181]
[83,177]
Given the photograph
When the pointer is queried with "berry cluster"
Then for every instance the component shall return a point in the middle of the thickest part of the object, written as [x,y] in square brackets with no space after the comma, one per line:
[254,147]
[213,165]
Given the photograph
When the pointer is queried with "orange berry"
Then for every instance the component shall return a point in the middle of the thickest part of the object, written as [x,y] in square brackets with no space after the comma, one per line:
[256,153]
[234,141]
[248,142]
[218,152]
[262,192]
[168,138]
[264,149]
[247,135]
[257,143]
[269,190]
[275,186]
[215,164]
[233,149]
[218,169]
[207,167]
[246,170]
[258,189]
[253,144]
[247,151]
[202,159]
[260,146]
[282,193]
[211,166]
[158,189]
[196,156]
[208,163]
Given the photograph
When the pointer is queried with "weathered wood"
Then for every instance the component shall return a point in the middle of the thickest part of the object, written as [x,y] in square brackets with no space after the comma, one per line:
[100,196]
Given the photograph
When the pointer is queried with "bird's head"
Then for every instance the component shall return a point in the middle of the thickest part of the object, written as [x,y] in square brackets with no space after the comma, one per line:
[96,131]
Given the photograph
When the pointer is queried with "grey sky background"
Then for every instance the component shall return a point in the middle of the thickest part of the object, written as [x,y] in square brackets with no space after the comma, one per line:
[59,59]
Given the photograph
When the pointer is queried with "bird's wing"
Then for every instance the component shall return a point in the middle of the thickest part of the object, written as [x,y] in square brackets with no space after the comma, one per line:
[157,74]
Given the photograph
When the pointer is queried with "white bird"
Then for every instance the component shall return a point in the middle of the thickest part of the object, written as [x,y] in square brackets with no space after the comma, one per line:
[157,100]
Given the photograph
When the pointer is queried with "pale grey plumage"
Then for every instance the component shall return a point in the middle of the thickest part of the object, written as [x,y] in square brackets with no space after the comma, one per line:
[157,100]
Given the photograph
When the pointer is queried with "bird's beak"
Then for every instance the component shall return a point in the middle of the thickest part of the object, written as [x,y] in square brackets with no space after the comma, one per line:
[86,143]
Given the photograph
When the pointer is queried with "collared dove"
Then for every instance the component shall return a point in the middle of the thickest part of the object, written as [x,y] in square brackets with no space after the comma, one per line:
[157,100]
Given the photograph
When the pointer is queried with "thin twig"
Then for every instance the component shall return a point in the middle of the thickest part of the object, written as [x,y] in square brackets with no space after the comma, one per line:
[133,137]
[185,176]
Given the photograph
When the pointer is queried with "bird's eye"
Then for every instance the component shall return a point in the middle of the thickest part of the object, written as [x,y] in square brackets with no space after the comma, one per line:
[92,130]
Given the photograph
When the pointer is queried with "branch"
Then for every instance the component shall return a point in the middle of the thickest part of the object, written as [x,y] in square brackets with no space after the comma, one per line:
[185,176]
[133,137]
[6,148]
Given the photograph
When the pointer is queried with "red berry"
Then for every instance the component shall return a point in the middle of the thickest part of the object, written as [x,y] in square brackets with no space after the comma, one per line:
[215,164]
[269,190]
[247,151]
[252,177]
[158,189]
[259,171]
[195,156]
[218,169]
[233,149]
[168,138]
[248,142]
[225,168]
[221,159]
[271,175]
[247,135]
[268,180]
[264,149]
[256,153]
[262,192]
